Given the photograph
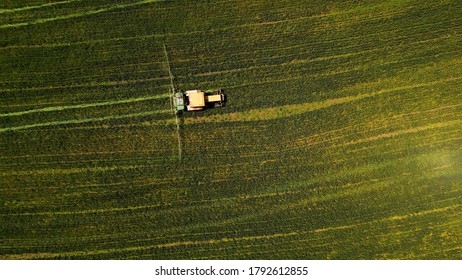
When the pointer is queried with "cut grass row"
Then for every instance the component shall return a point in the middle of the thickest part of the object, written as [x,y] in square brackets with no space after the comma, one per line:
[252,115]
[391,218]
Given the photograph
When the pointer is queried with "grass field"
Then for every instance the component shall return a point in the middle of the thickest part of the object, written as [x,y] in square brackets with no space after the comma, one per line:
[341,137]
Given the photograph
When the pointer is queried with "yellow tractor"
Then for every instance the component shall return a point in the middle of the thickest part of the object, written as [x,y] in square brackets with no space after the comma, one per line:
[196,100]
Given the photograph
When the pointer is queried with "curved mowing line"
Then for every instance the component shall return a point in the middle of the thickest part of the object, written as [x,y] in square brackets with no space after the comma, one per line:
[70,171]
[402,132]
[320,58]
[284,111]
[309,239]
[225,240]
[77,15]
[14,128]
[70,44]
[335,13]
[333,135]
[80,106]
[14,10]
[77,154]
[297,109]
[132,208]
[91,211]
[97,84]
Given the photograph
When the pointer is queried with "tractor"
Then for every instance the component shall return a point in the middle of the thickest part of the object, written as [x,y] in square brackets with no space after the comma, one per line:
[197,100]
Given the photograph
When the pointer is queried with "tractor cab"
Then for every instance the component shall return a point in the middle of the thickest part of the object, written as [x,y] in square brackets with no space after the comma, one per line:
[197,100]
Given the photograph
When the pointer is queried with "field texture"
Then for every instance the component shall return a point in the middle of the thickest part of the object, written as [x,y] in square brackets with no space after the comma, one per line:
[341,138]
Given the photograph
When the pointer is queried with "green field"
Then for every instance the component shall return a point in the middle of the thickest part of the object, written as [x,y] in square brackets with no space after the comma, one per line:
[341,137]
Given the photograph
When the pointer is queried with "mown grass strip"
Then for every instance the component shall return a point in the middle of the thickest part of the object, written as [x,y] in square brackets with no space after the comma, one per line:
[81,106]
[77,15]
[226,240]
[89,211]
[65,171]
[83,85]
[26,8]
[297,109]
[79,121]
[293,109]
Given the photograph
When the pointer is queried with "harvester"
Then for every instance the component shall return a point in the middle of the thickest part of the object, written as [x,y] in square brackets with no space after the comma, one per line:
[196,100]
